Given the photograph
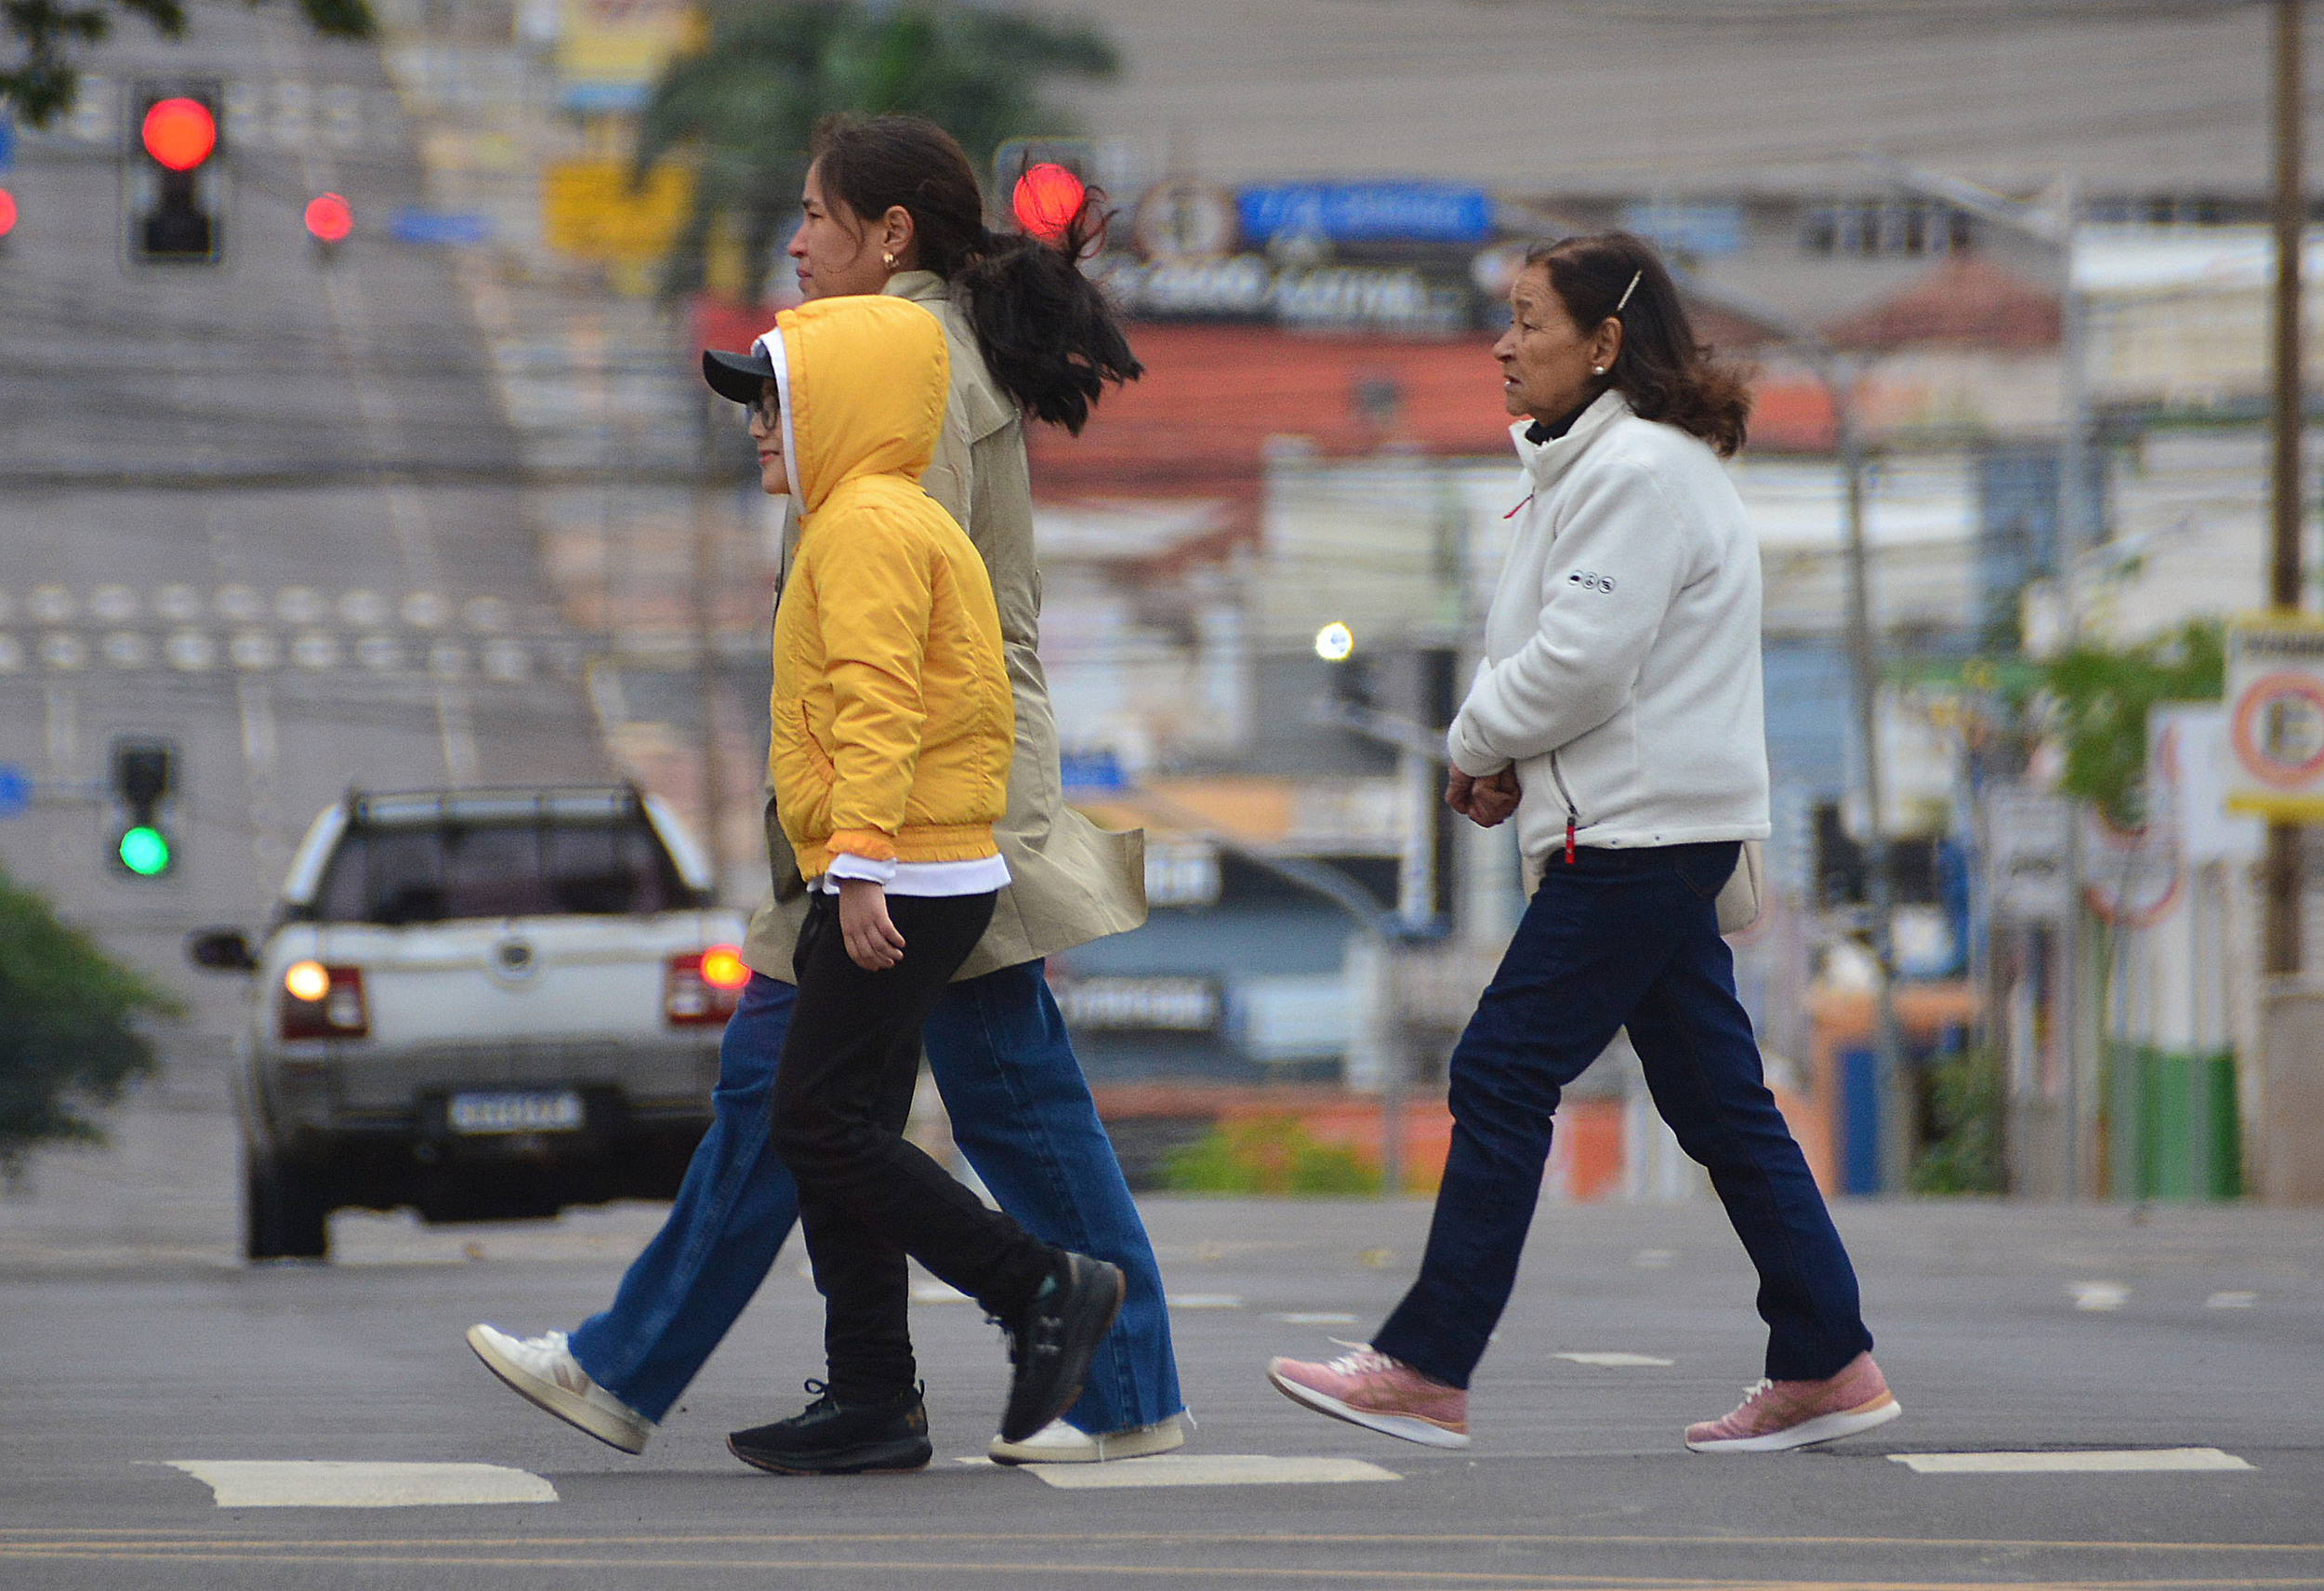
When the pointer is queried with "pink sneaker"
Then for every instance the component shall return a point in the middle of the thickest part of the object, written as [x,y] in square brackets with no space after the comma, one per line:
[1779,1415]
[1367,1388]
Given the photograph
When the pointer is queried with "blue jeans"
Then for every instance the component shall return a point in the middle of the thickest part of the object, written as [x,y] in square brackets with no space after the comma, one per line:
[1622,938]
[1022,1113]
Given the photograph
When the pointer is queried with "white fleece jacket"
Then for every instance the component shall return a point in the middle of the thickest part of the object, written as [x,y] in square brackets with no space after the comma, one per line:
[1621,653]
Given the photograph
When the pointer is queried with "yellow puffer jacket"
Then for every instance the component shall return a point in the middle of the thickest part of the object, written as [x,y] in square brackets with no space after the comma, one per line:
[893,718]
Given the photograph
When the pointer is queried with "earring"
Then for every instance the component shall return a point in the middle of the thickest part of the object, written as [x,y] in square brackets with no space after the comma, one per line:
[889,261]
[1597,370]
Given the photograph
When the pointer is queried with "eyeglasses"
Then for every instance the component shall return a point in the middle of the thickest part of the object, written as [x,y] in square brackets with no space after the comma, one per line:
[764,408]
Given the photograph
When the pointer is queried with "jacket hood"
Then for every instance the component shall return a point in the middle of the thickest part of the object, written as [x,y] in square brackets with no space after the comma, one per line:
[862,383]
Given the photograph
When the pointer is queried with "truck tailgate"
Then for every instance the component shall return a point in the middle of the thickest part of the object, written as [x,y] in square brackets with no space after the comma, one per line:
[533,980]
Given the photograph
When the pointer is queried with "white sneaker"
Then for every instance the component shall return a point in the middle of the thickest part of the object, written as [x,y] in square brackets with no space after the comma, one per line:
[1058,1443]
[543,1370]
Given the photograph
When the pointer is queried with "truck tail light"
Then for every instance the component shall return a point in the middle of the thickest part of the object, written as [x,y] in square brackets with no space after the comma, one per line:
[323,1003]
[702,988]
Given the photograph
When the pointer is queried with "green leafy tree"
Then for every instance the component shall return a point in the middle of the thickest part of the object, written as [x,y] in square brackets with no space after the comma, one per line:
[743,106]
[70,1033]
[2101,696]
[42,82]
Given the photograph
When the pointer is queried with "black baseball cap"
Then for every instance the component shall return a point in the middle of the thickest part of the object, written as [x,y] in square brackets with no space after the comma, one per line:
[737,375]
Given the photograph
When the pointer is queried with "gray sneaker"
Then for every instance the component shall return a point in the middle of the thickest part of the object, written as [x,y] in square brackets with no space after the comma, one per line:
[543,1371]
[1058,1442]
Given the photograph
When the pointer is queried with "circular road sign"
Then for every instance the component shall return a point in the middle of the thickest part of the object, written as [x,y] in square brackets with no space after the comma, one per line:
[2278,729]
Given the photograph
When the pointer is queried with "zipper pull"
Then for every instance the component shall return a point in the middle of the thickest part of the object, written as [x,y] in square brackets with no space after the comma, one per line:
[1519,508]
[1570,841]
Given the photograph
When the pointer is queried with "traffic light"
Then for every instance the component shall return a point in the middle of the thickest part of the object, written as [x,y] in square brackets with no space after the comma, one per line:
[329,219]
[1047,180]
[141,776]
[173,176]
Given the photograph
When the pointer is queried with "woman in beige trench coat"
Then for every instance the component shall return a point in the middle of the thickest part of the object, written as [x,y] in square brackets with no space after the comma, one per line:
[891,205]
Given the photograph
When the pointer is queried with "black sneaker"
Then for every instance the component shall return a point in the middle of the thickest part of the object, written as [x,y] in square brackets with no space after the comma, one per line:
[832,1438]
[1051,1341]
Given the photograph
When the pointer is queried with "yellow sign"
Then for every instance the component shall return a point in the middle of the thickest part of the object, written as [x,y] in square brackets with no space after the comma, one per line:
[608,52]
[2276,719]
[590,210]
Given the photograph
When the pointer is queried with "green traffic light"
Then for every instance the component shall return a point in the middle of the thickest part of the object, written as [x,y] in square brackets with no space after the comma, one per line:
[145,852]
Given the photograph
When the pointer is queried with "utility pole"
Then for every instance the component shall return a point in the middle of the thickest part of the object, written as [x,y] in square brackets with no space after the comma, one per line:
[2077,531]
[1838,374]
[2281,938]
[2076,535]
[1899,1115]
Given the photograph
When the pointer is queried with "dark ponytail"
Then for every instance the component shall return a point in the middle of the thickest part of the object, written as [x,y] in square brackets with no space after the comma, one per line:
[1662,370]
[1046,334]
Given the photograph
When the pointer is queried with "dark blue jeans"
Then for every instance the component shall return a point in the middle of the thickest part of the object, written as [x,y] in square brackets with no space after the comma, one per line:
[1022,1113]
[1622,938]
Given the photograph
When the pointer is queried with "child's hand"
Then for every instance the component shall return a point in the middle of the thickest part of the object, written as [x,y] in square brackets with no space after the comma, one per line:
[873,943]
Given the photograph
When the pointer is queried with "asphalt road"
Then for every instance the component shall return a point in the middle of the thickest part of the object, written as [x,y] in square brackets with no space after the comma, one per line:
[130,1339]
[267,511]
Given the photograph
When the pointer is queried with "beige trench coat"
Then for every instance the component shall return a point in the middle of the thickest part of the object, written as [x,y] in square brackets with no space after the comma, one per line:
[1071,881]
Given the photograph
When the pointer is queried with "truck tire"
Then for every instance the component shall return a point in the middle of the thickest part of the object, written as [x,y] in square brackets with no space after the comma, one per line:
[285,1211]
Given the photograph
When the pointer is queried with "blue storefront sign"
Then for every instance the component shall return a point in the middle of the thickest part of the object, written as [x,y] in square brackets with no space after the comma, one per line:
[1090,771]
[1367,212]
[1704,231]
[451,228]
[16,789]
[606,99]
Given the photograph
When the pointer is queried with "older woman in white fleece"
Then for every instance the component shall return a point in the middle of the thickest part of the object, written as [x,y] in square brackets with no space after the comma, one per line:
[1619,714]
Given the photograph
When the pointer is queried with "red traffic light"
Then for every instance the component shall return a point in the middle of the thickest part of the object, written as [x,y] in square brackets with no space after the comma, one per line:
[180,133]
[7,212]
[1046,200]
[329,218]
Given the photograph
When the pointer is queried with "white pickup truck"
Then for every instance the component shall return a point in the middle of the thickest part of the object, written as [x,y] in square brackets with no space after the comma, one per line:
[480,1002]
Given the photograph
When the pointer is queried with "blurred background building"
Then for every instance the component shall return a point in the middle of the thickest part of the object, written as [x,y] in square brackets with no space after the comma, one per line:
[2035,237]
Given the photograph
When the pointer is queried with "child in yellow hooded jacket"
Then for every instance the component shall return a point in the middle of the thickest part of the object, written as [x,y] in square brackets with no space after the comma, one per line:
[891,738]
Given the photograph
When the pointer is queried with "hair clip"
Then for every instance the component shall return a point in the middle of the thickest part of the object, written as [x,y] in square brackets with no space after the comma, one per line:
[1623,303]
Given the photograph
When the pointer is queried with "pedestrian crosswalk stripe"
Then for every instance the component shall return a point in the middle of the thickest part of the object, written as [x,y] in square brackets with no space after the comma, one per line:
[2114,1462]
[2098,1295]
[1615,1362]
[1208,1469]
[325,1483]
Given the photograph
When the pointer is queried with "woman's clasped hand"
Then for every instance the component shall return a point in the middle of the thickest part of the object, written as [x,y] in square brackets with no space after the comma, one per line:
[1487,802]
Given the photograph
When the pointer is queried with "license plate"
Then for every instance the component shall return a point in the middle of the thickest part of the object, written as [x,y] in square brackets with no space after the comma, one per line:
[476,1113]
